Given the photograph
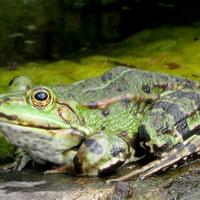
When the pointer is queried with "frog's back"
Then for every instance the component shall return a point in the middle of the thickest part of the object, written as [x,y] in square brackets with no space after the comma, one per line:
[118,81]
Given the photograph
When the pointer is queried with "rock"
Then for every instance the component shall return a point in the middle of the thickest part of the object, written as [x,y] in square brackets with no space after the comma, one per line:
[33,184]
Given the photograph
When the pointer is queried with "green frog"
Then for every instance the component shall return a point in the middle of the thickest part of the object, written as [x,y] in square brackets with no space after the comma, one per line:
[89,127]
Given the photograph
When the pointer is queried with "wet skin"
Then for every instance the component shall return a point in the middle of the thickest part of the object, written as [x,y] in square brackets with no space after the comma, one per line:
[90,127]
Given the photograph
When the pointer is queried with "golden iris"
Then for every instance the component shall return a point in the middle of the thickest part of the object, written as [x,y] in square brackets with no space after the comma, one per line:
[41,97]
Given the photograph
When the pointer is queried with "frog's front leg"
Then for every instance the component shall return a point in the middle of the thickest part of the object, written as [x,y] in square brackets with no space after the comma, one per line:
[97,155]
[22,158]
[101,153]
[20,162]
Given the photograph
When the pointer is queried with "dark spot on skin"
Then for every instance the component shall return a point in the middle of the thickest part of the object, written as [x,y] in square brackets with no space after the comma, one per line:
[111,168]
[125,101]
[143,134]
[25,146]
[92,105]
[116,150]
[165,128]
[179,116]
[156,116]
[119,89]
[19,142]
[83,85]
[182,128]
[194,96]
[93,146]
[26,140]
[105,113]
[196,39]
[70,95]
[146,89]
[186,83]
[106,77]
[164,148]
[148,101]
[77,165]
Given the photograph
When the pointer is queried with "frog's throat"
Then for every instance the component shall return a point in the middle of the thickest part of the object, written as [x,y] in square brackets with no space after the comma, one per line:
[14,133]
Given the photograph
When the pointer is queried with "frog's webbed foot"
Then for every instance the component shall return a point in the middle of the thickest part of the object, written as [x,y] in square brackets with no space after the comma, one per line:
[179,152]
[21,160]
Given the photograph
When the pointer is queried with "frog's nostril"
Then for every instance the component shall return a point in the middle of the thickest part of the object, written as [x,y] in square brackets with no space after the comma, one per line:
[7,99]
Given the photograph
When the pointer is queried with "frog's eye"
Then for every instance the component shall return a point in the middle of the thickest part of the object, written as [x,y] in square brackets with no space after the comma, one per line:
[41,97]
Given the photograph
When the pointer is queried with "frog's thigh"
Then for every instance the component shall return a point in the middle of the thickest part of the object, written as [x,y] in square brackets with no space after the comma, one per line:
[101,153]
[179,152]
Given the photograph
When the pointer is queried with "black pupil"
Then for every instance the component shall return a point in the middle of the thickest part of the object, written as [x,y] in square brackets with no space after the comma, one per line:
[41,96]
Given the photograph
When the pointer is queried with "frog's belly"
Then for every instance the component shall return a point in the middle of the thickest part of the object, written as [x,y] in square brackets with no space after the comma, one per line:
[37,142]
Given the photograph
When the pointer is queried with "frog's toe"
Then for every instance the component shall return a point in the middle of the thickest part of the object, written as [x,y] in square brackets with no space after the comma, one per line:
[178,153]
[17,165]
[10,167]
[20,162]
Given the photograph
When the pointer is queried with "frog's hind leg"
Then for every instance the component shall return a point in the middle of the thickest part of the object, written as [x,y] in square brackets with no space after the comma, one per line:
[101,154]
[179,152]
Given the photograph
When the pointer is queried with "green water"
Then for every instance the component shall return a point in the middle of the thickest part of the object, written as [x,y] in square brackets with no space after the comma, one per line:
[174,50]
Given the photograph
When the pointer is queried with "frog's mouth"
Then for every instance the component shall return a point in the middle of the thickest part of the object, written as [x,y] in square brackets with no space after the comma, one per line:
[13,119]
[24,136]
[20,132]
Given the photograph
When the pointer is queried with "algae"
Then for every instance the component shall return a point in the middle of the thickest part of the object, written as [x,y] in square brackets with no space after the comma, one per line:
[174,50]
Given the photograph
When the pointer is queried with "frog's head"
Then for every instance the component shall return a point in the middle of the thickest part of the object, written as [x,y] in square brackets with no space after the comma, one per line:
[37,120]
